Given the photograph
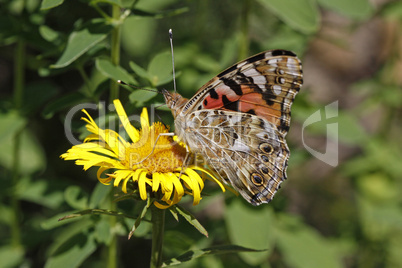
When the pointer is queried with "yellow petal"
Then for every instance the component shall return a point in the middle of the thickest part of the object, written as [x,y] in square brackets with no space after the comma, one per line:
[156,181]
[160,206]
[189,183]
[131,131]
[167,187]
[196,192]
[141,186]
[105,181]
[121,175]
[211,177]
[191,173]
[145,129]
[144,118]
[135,176]
[177,184]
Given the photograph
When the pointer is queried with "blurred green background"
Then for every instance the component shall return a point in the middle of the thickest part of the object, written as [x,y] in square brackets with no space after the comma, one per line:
[56,54]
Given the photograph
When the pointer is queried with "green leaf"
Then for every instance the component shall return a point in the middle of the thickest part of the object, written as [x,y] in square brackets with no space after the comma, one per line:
[75,197]
[48,4]
[392,10]
[37,191]
[160,69]
[31,155]
[11,256]
[350,130]
[301,246]
[67,101]
[191,219]
[81,41]
[193,254]
[112,2]
[55,222]
[10,123]
[239,217]
[67,232]
[95,211]
[357,9]
[98,195]
[103,231]
[73,252]
[139,218]
[6,214]
[114,72]
[377,187]
[48,33]
[173,211]
[159,15]
[138,70]
[139,97]
[302,15]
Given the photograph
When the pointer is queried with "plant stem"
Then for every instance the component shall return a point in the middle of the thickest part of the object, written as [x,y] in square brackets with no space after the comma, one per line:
[244,41]
[158,225]
[114,94]
[19,78]
[115,51]
[112,249]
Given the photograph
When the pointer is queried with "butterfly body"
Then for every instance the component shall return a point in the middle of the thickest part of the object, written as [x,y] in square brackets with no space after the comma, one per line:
[239,119]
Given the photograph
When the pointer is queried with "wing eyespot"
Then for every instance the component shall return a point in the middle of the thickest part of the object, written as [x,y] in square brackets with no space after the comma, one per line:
[265,158]
[266,148]
[257,179]
[265,170]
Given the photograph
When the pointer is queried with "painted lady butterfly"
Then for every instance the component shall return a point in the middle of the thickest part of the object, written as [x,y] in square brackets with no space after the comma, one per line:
[239,119]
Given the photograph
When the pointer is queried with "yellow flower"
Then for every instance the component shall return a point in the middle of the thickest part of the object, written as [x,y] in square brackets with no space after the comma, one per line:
[155,170]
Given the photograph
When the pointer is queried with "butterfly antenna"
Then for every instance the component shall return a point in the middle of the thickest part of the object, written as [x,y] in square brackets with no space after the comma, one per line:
[132,86]
[171,49]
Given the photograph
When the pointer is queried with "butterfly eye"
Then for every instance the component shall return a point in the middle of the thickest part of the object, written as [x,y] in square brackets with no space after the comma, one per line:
[266,148]
[257,179]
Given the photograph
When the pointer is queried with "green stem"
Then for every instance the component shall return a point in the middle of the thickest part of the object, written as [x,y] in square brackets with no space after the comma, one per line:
[19,78]
[115,51]
[19,73]
[114,94]
[112,249]
[158,225]
[244,42]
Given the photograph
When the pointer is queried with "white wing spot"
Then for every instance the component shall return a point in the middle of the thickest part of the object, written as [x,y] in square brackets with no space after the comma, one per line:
[239,146]
[258,78]
[292,63]
[277,89]
[273,62]
[241,64]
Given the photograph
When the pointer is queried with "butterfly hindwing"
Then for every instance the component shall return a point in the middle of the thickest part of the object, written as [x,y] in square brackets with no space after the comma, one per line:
[244,149]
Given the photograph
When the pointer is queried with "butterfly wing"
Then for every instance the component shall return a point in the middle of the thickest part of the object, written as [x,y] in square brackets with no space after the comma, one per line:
[264,85]
[246,151]
[239,119]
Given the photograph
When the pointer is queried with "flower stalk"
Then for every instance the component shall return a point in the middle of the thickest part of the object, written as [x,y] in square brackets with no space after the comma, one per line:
[158,225]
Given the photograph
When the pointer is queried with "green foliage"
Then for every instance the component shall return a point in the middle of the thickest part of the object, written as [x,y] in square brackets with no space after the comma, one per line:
[57,54]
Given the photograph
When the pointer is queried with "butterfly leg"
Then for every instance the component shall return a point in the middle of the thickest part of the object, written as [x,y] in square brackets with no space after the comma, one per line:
[184,165]
[153,149]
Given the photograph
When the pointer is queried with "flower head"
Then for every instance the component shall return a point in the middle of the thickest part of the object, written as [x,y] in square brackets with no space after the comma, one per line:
[152,163]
